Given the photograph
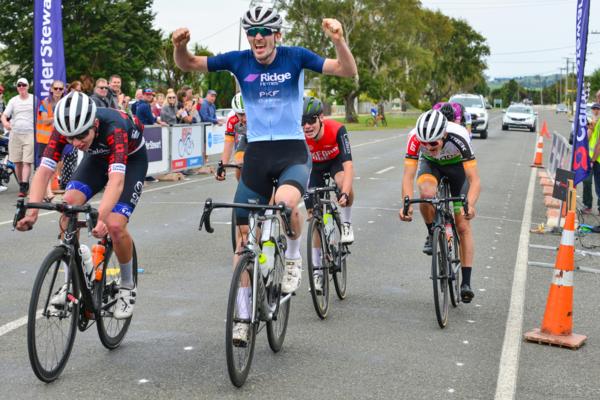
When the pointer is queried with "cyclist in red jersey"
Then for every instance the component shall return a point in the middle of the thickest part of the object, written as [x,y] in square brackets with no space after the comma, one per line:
[235,137]
[115,160]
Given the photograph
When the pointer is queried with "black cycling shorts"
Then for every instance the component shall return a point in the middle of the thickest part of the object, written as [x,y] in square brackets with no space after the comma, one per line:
[287,161]
[91,177]
[317,178]
[455,173]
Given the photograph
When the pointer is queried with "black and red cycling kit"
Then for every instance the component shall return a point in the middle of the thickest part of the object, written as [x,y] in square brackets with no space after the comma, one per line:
[329,153]
[236,131]
[118,147]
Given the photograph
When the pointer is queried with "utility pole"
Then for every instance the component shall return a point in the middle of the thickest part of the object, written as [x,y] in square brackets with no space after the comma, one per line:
[560,85]
[568,61]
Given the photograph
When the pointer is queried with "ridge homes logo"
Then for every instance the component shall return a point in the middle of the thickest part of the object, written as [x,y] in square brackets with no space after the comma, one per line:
[273,78]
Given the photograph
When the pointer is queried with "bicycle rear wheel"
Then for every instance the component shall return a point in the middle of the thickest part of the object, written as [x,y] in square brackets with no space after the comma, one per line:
[340,252]
[51,328]
[439,275]
[111,330]
[455,270]
[233,229]
[315,239]
[239,353]
[277,326]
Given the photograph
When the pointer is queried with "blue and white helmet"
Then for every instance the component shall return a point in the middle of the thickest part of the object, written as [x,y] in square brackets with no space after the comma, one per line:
[262,17]
[74,114]
[431,126]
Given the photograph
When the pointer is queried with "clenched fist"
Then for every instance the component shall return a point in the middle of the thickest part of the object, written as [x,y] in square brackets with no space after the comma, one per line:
[181,37]
[333,28]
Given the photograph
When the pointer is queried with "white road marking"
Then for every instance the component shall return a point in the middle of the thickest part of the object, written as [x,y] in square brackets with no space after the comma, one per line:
[509,360]
[383,171]
[11,326]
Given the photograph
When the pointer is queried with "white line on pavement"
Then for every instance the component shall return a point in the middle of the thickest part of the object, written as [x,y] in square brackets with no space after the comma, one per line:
[354,146]
[11,326]
[509,360]
[382,171]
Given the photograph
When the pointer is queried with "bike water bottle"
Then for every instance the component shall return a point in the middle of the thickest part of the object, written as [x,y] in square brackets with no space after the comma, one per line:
[268,261]
[449,235]
[266,228]
[86,259]
[328,221]
[98,251]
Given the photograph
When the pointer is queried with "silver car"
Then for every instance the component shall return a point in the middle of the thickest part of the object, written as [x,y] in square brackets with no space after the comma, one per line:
[519,116]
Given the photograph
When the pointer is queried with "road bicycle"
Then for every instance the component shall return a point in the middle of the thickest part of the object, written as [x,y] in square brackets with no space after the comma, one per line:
[90,297]
[376,121]
[262,277]
[7,168]
[445,255]
[324,232]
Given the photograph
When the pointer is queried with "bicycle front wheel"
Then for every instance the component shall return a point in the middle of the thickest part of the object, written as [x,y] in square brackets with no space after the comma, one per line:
[277,326]
[233,229]
[111,330]
[340,252]
[240,330]
[455,270]
[317,269]
[52,319]
[439,275]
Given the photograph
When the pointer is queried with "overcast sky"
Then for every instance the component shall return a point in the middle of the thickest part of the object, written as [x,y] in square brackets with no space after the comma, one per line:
[526,37]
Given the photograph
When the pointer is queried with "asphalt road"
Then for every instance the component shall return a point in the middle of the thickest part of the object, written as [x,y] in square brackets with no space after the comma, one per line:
[381,342]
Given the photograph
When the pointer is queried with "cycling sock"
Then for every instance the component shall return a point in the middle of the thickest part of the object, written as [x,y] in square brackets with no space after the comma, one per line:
[346,214]
[243,302]
[127,275]
[293,249]
[316,256]
[466,276]
[430,228]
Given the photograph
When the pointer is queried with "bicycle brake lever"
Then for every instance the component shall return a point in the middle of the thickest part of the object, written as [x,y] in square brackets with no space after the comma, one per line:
[465,204]
[20,213]
[91,219]
[406,205]
[205,219]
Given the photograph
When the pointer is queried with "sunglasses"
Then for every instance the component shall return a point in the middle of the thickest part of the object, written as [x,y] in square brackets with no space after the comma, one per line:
[58,88]
[79,137]
[171,97]
[309,119]
[21,85]
[430,144]
[264,31]
[102,87]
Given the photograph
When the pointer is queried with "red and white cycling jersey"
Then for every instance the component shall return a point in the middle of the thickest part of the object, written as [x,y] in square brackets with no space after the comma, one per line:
[333,143]
[456,148]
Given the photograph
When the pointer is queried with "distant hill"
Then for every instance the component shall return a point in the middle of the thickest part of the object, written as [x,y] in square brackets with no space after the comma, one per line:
[530,82]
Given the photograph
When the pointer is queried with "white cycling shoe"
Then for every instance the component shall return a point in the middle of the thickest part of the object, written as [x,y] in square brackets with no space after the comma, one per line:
[291,280]
[125,303]
[347,233]
[240,334]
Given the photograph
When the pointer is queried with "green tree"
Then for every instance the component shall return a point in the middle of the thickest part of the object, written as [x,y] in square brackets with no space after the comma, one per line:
[100,38]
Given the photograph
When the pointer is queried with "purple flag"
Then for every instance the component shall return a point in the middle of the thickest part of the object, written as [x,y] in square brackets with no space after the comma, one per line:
[48,52]
[581,160]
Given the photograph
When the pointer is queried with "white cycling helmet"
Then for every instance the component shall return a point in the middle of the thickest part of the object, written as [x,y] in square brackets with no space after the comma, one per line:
[237,103]
[431,126]
[263,17]
[74,114]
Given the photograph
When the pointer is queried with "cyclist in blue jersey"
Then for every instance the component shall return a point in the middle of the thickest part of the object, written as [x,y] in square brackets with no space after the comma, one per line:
[271,79]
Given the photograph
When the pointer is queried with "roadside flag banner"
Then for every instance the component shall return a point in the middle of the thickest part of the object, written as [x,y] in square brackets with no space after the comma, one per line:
[581,162]
[48,51]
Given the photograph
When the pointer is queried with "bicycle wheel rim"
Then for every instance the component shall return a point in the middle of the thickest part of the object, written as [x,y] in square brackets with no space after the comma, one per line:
[233,229]
[239,358]
[439,276]
[454,283]
[340,270]
[277,326]
[320,301]
[51,334]
[111,330]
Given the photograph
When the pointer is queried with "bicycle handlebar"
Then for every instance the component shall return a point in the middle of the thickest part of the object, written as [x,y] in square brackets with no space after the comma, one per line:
[434,201]
[285,212]
[91,218]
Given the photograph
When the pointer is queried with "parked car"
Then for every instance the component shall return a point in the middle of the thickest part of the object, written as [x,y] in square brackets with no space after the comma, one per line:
[474,104]
[519,116]
[561,108]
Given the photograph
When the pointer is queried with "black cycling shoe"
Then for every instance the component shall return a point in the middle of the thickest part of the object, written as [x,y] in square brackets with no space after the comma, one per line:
[466,293]
[427,246]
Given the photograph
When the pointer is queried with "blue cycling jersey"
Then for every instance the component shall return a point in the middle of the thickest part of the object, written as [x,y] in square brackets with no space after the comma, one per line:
[272,93]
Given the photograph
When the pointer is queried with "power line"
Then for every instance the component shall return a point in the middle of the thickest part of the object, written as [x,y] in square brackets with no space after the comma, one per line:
[537,51]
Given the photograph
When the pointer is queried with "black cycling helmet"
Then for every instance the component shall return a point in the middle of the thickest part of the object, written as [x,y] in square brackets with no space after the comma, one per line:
[262,17]
[312,106]
[448,111]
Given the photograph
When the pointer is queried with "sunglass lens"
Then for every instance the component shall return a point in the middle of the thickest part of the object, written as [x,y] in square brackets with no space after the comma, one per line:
[262,30]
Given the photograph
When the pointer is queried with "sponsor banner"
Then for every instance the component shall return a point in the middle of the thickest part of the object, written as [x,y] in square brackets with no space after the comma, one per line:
[559,154]
[48,52]
[215,139]
[581,162]
[154,143]
[186,146]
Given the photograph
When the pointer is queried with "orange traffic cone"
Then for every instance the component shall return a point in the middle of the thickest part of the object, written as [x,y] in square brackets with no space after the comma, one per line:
[557,324]
[544,130]
[539,152]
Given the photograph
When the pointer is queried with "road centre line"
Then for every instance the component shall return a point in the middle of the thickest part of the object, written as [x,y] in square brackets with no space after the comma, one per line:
[382,171]
[511,347]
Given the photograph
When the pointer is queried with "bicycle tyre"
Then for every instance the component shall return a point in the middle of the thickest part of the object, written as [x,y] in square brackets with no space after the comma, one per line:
[454,281]
[277,327]
[233,229]
[238,374]
[370,121]
[439,275]
[340,270]
[320,301]
[110,330]
[51,263]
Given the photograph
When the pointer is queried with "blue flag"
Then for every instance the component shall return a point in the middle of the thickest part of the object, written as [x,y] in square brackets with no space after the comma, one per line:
[48,52]
[581,160]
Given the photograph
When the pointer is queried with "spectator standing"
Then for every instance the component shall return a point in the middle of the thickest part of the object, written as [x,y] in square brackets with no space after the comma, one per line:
[594,176]
[144,109]
[208,111]
[157,104]
[45,125]
[99,97]
[20,144]
[114,90]
[139,95]
[169,112]
[74,86]
[189,114]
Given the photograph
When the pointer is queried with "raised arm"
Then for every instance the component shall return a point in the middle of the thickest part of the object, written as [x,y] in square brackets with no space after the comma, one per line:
[344,65]
[185,60]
